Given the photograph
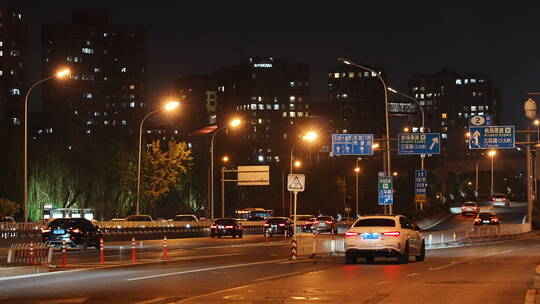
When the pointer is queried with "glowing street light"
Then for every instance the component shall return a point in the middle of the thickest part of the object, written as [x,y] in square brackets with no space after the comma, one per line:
[59,75]
[168,107]
[233,123]
[406,129]
[297,164]
[225,159]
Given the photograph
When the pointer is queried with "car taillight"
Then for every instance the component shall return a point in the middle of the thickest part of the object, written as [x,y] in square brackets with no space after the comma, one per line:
[391,233]
[494,220]
[266,225]
[76,230]
[350,233]
[229,227]
[213,226]
[477,220]
[329,222]
[315,222]
[282,225]
[43,230]
[463,208]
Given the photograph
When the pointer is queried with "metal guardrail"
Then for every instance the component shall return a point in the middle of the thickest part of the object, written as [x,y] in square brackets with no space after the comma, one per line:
[325,244]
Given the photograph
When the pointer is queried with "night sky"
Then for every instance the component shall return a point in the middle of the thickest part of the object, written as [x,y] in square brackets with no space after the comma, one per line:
[496,38]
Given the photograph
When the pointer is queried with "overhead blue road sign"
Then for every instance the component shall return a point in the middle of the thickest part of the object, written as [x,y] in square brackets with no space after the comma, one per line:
[480,120]
[419,143]
[420,186]
[352,144]
[386,196]
[492,137]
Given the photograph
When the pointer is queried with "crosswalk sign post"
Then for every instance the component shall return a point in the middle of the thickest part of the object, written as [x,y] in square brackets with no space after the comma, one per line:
[295,183]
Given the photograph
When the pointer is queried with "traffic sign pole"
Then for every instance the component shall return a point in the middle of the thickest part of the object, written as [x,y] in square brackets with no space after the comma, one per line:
[293,257]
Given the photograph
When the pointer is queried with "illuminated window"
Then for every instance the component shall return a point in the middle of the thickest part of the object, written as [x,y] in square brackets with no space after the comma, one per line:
[259,121]
[87,51]
[269,107]
[414,89]
[124,122]
[458,81]
[351,74]
[14,53]
[473,80]
[123,70]
[284,114]
[444,135]
[473,108]
[300,114]
[443,115]
[132,104]
[132,87]
[15,92]
[336,75]
[253,106]
[88,95]
[291,106]
[466,81]
[97,70]
[276,107]
[261,107]
[291,84]
[292,114]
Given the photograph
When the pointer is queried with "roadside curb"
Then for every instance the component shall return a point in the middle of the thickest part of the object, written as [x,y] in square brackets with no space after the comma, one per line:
[6,272]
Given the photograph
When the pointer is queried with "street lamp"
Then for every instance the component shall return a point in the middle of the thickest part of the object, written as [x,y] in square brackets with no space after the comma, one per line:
[388,162]
[234,123]
[492,154]
[422,114]
[169,106]
[309,137]
[60,74]
[225,159]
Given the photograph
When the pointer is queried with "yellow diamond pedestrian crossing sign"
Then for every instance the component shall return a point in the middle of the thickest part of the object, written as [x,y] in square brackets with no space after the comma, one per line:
[296,182]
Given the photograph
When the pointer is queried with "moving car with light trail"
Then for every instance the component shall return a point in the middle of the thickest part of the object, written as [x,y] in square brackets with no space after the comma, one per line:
[384,236]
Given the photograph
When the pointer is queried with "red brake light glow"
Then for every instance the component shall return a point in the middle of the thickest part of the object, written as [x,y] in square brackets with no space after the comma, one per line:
[213,226]
[281,225]
[76,230]
[392,233]
[45,230]
[350,233]
[329,222]
[229,227]
[266,225]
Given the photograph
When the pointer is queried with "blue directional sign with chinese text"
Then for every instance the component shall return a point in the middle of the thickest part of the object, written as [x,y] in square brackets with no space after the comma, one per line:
[386,197]
[492,137]
[480,120]
[419,143]
[420,186]
[352,144]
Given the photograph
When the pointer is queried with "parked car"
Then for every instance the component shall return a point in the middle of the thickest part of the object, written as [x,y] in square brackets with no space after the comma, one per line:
[185,218]
[500,200]
[226,226]
[487,218]
[77,232]
[256,219]
[470,208]
[278,225]
[139,218]
[384,236]
[324,223]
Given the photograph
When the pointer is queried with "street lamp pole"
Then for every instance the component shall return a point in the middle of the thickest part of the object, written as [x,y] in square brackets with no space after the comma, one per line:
[492,175]
[357,171]
[422,115]
[530,113]
[138,207]
[388,161]
[212,170]
[25,184]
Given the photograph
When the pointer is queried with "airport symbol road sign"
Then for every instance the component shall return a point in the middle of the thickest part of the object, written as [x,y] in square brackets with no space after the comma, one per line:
[492,137]
[419,143]
[386,195]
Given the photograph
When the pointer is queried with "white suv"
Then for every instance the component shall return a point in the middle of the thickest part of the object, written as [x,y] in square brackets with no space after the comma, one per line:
[384,236]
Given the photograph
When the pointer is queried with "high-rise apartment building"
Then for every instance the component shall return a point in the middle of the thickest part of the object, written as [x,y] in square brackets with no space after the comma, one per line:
[359,96]
[13,45]
[449,99]
[273,97]
[106,90]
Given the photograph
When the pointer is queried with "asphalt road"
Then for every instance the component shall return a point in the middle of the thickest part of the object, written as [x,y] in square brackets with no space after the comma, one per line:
[243,271]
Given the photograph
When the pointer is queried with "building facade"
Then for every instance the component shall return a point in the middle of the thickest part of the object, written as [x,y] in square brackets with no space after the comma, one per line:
[13,46]
[105,94]
[272,96]
[359,96]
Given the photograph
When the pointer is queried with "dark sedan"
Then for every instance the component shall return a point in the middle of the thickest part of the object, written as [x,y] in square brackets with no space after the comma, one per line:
[278,225]
[77,232]
[487,218]
[324,224]
[226,226]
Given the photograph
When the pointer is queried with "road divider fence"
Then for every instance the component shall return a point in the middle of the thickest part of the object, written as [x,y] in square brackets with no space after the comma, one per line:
[311,245]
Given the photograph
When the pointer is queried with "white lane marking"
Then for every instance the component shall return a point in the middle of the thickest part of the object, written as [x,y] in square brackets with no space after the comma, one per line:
[413,274]
[297,261]
[244,245]
[211,294]
[530,296]
[454,263]
[202,269]
[33,275]
[483,244]
[197,257]
[154,300]
[279,276]
[382,282]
